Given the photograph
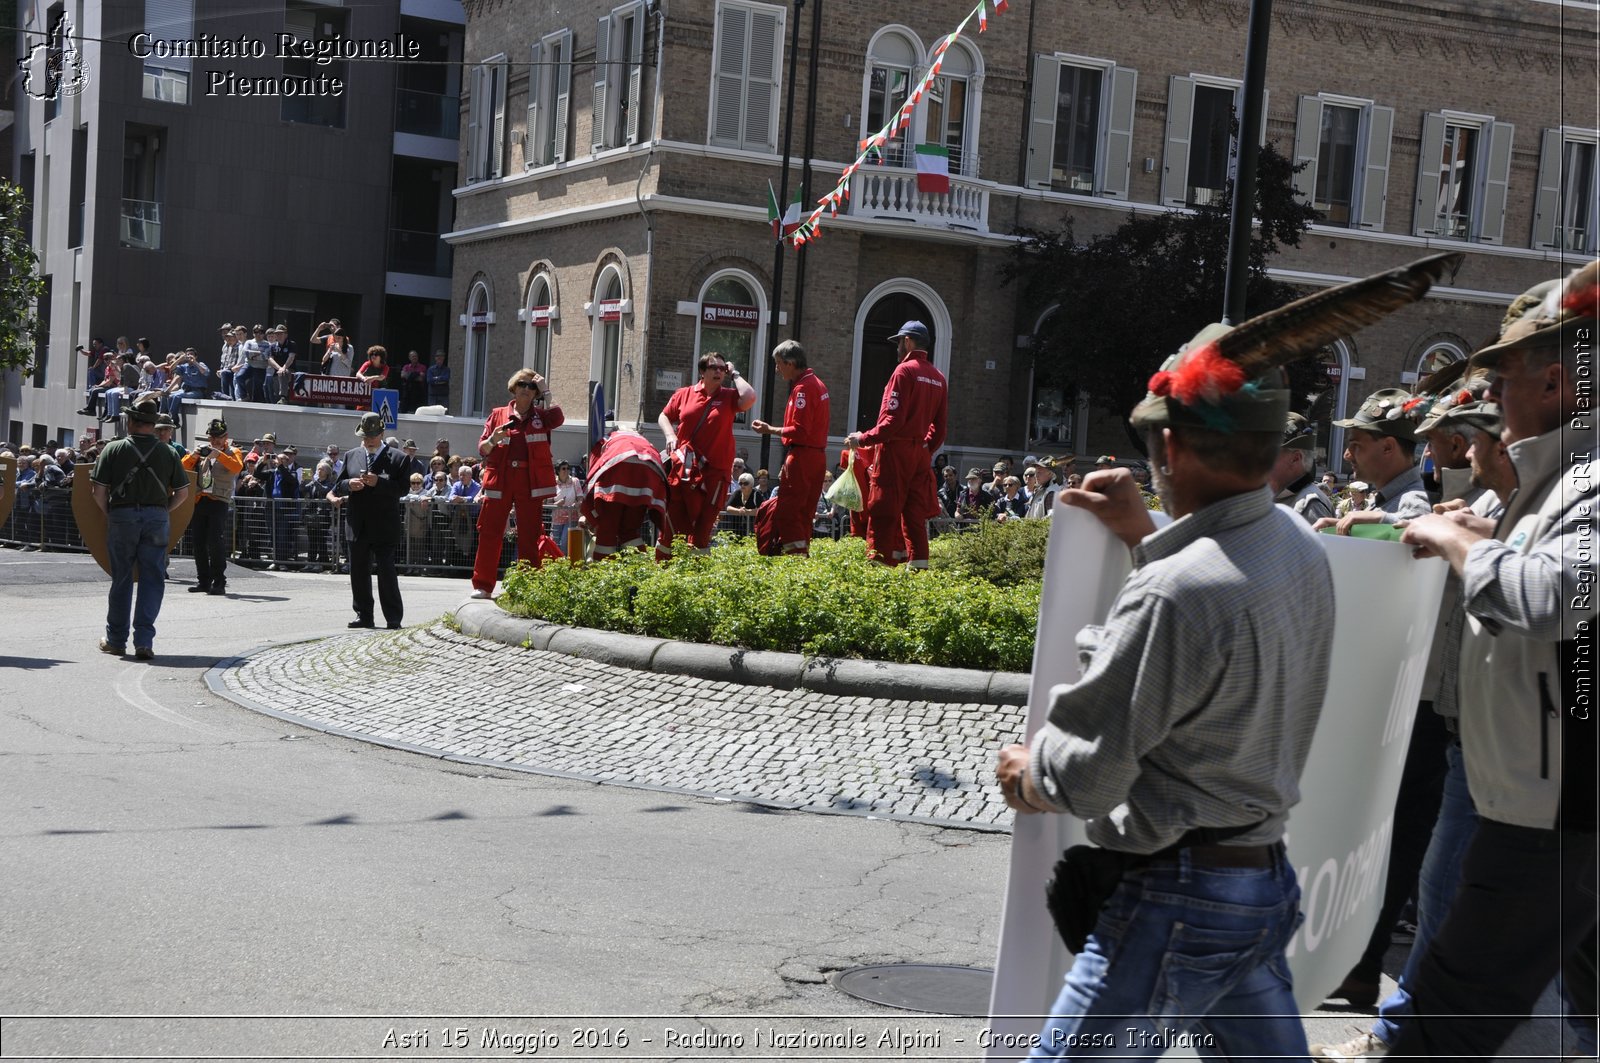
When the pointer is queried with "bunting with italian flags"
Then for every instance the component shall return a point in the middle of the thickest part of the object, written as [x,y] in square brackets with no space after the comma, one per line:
[933,168]
[933,161]
[791,217]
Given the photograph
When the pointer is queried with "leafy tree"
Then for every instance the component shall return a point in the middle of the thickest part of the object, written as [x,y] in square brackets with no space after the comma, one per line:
[20,285]
[1131,298]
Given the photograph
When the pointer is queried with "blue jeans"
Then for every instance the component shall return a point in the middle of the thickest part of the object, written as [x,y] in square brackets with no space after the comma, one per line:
[1436,888]
[250,383]
[136,536]
[1184,955]
[1436,884]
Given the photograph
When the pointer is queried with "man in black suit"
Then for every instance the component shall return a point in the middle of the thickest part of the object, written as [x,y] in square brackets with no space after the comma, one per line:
[372,479]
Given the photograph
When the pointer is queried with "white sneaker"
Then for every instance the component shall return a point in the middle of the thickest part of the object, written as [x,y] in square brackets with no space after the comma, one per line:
[1361,1046]
[478,592]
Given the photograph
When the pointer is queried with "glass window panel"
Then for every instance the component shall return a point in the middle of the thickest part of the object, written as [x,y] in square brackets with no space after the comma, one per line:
[1453,212]
[1210,140]
[1577,195]
[1336,163]
[1077,129]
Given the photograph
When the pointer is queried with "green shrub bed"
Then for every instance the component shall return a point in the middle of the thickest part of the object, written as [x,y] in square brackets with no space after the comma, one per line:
[834,604]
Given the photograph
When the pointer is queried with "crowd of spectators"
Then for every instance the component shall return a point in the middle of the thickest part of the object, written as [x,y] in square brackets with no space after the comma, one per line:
[256,363]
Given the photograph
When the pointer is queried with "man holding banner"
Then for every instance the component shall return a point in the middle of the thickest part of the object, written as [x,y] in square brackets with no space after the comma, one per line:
[1187,761]
[1525,906]
[1184,741]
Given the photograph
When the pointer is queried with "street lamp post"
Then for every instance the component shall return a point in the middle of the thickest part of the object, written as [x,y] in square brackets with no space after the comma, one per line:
[777,244]
[1244,183]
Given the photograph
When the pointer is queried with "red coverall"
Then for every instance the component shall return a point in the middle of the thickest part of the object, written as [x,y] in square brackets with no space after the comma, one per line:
[517,473]
[626,483]
[705,423]
[862,471]
[805,433]
[911,426]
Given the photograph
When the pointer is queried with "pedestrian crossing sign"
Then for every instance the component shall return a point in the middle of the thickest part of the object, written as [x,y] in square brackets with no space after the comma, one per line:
[386,401]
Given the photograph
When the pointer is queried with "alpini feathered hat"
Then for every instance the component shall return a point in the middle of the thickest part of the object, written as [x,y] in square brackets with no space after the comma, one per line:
[1230,378]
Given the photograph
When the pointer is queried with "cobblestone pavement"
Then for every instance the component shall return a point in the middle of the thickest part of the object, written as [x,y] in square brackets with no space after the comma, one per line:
[439,692]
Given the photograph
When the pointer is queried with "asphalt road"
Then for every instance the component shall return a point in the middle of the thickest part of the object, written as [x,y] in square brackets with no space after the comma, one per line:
[185,877]
[167,853]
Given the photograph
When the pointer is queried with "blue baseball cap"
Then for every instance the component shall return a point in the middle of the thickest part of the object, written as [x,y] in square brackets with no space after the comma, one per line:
[915,329]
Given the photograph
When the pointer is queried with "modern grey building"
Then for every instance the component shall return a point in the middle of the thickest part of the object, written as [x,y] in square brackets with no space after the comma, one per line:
[191,162]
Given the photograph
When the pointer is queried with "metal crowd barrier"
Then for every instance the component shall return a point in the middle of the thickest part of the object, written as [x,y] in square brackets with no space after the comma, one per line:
[438,537]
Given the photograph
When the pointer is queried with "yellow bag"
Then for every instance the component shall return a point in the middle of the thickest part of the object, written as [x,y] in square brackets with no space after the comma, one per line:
[845,491]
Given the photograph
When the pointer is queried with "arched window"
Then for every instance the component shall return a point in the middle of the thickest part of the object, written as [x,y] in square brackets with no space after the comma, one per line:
[1330,405]
[479,319]
[950,112]
[887,307]
[1053,410]
[1438,354]
[541,314]
[733,322]
[892,60]
[606,316]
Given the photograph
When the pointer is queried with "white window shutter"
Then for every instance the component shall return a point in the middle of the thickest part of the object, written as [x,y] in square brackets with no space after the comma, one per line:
[1042,123]
[1424,214]
[474,123]
[1307,141]
[1116,154]
[532,141]
[1374,190]
[1175,162]
[1496,179]
[727,87]
[765,65]
[600,116]
[497,148]
[563,97]
[1547,204]
[635,73]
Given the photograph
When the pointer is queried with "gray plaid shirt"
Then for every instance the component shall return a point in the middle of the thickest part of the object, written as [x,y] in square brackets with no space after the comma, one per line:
[1201,692]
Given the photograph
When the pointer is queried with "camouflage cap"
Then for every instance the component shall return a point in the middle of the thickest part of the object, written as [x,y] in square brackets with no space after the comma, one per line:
[1548,309]
[1481,414]
[1259,405]
[1469,390]
[1299,434]
[1385,413]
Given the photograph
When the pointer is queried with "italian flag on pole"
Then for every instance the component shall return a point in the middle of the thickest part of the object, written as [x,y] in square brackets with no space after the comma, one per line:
[933,168]
[791,217]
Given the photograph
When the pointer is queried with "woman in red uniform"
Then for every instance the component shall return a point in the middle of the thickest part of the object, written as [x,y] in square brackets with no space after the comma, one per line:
[702,416]
[517,471]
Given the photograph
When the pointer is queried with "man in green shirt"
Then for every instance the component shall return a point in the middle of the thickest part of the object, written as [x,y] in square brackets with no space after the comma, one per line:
[137,481]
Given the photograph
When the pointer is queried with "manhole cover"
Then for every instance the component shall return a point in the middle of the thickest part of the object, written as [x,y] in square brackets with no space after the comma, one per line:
[932,987]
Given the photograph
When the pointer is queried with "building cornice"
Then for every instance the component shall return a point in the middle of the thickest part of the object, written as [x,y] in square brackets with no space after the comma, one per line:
[613,208]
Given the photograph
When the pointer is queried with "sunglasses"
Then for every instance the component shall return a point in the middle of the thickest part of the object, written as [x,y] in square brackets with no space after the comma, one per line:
[526,384]
[716,369]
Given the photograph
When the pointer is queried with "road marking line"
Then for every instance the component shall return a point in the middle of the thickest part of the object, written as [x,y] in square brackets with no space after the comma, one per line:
[130,688]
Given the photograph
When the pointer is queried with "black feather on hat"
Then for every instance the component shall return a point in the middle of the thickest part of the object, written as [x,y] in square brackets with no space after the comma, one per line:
[1220,378]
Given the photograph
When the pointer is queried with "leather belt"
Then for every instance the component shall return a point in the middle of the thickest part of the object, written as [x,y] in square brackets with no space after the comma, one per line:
[1262,856]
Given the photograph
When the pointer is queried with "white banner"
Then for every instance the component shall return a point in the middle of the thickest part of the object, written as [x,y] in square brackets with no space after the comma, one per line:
[1386,604]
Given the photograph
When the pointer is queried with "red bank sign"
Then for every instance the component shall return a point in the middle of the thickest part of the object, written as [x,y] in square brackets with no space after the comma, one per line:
[333,391]
[722,315]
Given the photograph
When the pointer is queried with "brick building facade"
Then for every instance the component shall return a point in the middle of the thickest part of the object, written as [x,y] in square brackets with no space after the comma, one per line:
[619,249]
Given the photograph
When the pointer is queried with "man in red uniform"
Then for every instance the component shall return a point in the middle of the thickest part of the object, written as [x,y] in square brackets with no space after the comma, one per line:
[701,415]
[517,471]
[805,434]
[626,483]
[910,428]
